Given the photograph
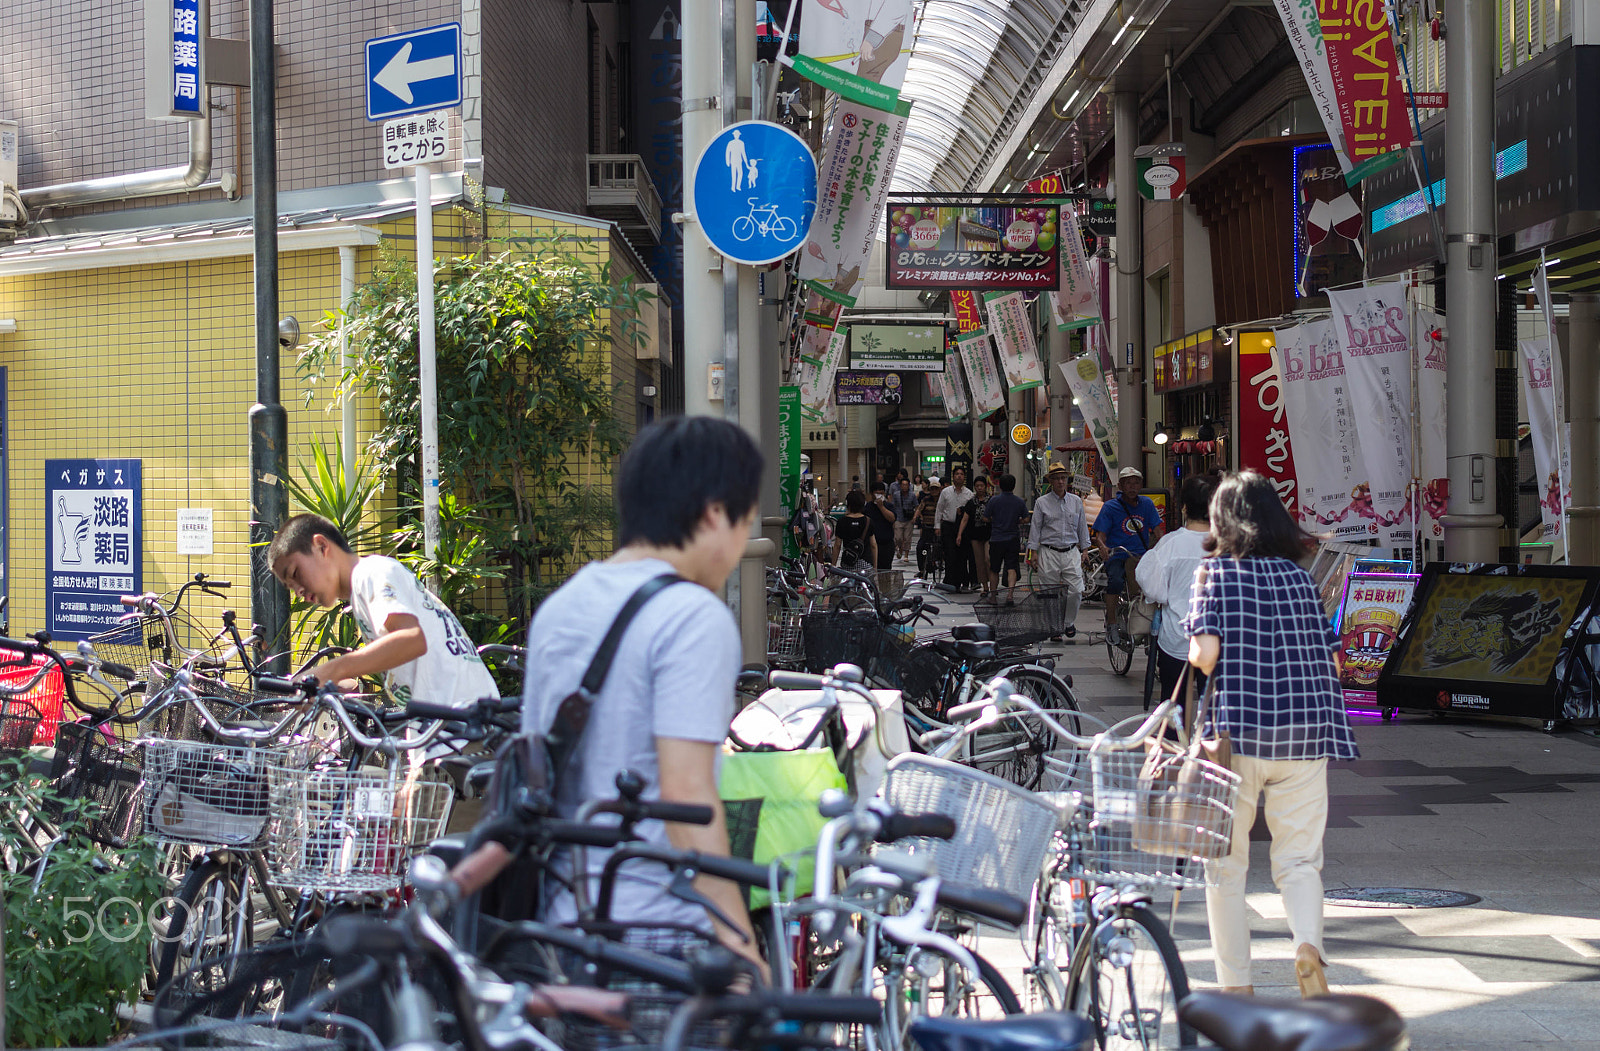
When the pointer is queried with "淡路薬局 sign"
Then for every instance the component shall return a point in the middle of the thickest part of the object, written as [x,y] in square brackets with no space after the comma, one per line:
[95,535]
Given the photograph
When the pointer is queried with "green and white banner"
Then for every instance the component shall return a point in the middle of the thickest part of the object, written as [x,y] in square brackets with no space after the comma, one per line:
[852,187]
[1076,304]
[954,390]
[983,376]
[821,352]
[859,52]
[1088,385]
[1013,336]
[788,455]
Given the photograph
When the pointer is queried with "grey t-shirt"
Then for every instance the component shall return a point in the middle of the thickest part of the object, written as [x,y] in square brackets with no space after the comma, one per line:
[673,676]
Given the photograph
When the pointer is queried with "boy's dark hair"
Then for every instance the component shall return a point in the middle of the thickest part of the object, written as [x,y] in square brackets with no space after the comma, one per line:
[879,487]
[1008,483]
[674,470]
[1195,496]
[297,533]
[1249,521]
[855,500]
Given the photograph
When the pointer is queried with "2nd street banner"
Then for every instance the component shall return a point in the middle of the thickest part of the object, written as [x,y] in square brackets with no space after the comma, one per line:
[1013,336]
[1541,386]
[1322,431]
[1073,305]
[859,52]
[852,183]
[1088,385]
[1373,331]
[1366,80]
[1434,477]
[983,378]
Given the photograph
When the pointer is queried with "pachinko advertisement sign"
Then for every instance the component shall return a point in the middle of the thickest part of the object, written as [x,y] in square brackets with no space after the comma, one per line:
[1369,620]
[1013,337]
[852,183]
[974,244]
[1263,433]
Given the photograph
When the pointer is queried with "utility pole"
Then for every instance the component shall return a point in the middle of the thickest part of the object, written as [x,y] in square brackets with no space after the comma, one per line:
[1471,526]
[269,423]
[1130,285]
[702,268]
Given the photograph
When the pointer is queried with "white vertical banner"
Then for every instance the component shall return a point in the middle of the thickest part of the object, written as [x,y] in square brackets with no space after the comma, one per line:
[1303,25]
[860,52]
[1433,474]
[822,351]
[1541,386]
[1322,431]
[852,185]
[1374,334]
[1077,304]
[983,376]
[1089,388]
[955,391]
[1013,337]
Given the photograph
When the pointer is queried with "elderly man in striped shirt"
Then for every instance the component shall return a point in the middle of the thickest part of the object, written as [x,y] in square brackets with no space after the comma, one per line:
[1057,541]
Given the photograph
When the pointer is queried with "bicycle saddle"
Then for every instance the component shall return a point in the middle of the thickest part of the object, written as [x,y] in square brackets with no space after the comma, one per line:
[963,649]
[1049,1031]
[974,632]
[1324,1023]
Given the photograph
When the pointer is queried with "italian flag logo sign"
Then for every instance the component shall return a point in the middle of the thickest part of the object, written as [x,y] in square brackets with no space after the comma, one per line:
[1160,177]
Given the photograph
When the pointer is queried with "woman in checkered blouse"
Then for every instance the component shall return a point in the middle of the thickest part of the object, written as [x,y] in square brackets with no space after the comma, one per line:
[1256,621]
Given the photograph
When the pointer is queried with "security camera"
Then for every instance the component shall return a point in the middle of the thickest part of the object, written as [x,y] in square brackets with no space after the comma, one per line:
[288,332]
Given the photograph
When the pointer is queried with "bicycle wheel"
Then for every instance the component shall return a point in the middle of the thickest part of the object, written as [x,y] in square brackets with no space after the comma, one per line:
[1049,939]
[1121,651]
[1127,979]
[928,984]
[208,922]
[1014,748]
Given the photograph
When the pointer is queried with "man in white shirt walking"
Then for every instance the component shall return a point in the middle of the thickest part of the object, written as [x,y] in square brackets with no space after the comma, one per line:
[957,569]
[1166,576]
[1057,540]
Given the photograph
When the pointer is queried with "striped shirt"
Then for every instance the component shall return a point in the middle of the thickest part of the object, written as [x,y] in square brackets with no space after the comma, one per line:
[1278,694]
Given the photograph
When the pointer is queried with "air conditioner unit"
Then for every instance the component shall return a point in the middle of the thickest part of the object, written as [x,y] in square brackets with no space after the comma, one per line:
[656,323]
[8,171]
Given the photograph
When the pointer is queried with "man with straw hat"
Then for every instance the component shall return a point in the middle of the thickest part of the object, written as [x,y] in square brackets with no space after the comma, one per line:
[1057,540]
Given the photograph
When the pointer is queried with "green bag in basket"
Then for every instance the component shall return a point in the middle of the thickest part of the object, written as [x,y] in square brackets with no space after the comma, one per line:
[778,793]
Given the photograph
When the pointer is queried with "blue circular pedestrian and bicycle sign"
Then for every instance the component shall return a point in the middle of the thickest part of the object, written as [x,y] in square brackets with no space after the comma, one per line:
[755,191]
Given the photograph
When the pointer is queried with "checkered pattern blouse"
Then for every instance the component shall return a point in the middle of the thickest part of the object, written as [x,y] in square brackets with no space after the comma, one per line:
[1277,692]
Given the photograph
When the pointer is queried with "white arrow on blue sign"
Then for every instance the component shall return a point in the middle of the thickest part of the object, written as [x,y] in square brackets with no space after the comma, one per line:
[414,72]
[755,191]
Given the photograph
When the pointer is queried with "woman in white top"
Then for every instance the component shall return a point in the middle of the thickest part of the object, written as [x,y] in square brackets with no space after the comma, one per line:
[1166,576]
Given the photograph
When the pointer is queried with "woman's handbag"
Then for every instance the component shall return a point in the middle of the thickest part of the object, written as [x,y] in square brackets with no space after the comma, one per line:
[1187,787]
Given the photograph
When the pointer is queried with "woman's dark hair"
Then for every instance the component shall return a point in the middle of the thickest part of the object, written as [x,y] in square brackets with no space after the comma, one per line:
[855,500]
[981,479]
[676,469]
[1249,521]
[879,487]
[1195,496]
[1008,482]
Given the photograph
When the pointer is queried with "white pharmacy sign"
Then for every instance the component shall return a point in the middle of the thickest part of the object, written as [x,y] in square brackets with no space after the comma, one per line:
[419,139]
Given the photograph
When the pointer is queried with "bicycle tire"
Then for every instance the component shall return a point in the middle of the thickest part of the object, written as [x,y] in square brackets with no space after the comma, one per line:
[1052,937]
[1120,652]
[1102,1000]
[207,922]
[901,1009]
[1026,740]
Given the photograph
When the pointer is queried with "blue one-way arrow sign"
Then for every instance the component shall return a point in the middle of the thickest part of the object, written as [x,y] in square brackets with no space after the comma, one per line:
[414,72]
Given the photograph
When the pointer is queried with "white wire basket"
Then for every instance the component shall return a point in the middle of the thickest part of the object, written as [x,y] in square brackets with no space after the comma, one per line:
[1002,834]
[1127,827]
[334,830]
[201,794]
[784,641]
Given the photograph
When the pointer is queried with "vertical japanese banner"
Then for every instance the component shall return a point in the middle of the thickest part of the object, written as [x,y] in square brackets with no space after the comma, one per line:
[94,531]
[1372,327]
[955,391]
[852,184]
[1303,26]
[788,457]
[1074,305]
[1013,335]
[1365,77]
[820,359]
[860,52]
[1263,439]
[1322,431]
[965,306]
[1088,385]
[1434,477]
[983,377]
[1540,382]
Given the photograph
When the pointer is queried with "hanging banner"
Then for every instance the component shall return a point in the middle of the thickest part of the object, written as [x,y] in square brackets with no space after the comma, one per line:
[1088,385]
[1365,76]
[1372,327]
[994,243]
[867,388]
[953,387]
[788,458]
[851,185]
[1433,477]
[1322,431]
[1013,337]
[983,377]
[1541,384]
[1263,438]
[1073,305]
[860,53]
[817,369]
[1304,29]
[965,305]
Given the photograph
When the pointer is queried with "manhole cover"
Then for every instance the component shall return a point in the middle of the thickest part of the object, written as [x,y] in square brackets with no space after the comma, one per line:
[1398,898]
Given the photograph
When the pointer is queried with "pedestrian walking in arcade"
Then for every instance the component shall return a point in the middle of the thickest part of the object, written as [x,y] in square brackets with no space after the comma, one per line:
[1257,627]
[1057,538]
[903,498]
[957,559]
[1166,576]
[972,533]
[1126,527]
[1005,532]
[928,543]
[882,517]
[853,544]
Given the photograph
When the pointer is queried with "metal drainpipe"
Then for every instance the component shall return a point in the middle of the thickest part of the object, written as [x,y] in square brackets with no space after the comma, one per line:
[139,184]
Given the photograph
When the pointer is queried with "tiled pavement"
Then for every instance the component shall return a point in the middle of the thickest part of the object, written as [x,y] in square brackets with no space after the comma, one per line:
[1495,809]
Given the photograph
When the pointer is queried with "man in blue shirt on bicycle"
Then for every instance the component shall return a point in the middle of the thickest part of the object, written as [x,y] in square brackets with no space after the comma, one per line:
[1127,526]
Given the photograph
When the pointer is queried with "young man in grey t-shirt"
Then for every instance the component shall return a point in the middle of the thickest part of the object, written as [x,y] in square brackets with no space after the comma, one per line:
[686,498]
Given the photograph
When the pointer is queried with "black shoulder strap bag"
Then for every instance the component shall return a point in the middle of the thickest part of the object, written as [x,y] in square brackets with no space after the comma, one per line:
[529,766]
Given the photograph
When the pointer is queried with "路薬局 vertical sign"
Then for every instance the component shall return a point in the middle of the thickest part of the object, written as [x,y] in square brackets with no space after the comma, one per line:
[187,25]
[95,534]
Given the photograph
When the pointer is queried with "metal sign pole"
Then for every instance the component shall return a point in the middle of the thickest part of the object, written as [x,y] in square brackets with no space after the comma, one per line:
[427,372]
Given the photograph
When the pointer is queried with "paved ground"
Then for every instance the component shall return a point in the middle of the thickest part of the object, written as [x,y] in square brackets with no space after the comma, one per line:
[1495,809]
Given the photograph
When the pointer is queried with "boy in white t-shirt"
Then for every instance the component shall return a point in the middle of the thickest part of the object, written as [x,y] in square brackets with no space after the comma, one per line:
[412,638]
